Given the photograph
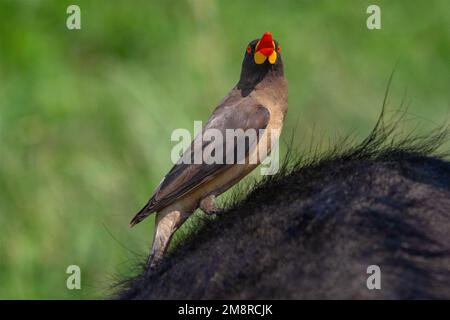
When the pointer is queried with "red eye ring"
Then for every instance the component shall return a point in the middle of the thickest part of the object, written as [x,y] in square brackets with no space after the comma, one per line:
[279,49]
[249,50]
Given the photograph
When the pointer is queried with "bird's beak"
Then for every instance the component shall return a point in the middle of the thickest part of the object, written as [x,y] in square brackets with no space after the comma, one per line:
[265,49]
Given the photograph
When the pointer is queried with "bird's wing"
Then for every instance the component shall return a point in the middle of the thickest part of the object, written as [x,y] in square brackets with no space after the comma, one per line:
[184,177]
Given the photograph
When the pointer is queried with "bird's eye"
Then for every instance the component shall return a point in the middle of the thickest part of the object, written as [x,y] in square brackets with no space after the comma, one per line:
[279,49]
[249,50]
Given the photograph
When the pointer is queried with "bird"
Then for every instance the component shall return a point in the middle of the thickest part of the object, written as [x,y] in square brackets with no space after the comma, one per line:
[259,102]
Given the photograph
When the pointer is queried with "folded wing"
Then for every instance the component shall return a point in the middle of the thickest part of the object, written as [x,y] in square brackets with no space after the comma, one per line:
[185,177]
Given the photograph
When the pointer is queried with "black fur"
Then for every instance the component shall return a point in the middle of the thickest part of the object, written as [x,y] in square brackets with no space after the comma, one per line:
[311,231]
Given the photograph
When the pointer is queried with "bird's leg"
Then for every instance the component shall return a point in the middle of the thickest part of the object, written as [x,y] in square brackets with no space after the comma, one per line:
[208,205]
[166,223]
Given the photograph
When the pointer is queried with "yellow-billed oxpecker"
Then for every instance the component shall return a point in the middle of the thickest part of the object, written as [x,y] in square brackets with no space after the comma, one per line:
[258,102]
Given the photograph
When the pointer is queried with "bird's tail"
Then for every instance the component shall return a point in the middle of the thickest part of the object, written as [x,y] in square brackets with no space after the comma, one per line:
[141,215]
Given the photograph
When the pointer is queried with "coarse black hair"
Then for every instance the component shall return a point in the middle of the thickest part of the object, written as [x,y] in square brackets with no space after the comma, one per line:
[312,230]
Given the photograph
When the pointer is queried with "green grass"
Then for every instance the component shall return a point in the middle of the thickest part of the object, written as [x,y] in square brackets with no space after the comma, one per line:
[86,116]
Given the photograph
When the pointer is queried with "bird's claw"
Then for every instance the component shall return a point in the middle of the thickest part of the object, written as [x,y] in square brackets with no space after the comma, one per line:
[208,206]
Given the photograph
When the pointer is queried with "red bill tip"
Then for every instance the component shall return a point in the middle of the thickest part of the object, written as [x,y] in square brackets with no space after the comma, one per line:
[265,45]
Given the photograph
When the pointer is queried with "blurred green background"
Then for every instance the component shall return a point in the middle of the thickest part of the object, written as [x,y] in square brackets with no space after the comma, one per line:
[86,115]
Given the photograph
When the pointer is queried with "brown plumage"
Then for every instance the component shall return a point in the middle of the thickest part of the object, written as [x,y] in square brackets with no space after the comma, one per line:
[258,101]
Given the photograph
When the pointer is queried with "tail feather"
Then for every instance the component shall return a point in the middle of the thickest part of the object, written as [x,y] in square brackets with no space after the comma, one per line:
[141,215]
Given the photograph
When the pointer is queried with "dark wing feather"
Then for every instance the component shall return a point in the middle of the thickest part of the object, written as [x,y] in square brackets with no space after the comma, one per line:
[183,178]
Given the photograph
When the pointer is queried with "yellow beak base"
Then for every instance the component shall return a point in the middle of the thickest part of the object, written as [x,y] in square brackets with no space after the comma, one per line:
[260,58]
[273,57]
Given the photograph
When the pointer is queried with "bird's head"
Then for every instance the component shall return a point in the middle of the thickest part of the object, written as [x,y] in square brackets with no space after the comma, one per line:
[264,50]
[262,57]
